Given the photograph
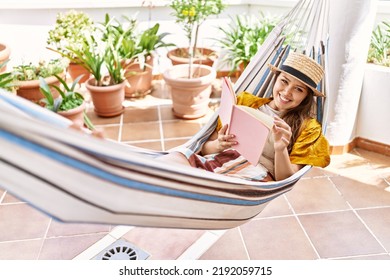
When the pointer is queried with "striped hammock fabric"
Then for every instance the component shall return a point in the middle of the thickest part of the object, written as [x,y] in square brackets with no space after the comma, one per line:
[75,177]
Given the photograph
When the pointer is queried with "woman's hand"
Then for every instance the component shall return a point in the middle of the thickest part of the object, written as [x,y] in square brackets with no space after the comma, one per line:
[225,141]
[218,142]
[282,134]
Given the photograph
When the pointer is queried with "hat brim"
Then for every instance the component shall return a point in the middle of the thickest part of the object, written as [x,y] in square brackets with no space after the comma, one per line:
[275,69]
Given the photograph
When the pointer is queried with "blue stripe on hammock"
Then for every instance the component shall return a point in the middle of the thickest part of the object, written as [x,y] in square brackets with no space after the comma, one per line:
[94,171]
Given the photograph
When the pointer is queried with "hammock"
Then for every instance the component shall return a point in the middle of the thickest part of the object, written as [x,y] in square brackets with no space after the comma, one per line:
[75,177]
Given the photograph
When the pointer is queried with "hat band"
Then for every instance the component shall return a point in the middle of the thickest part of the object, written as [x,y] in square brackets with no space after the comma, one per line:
[299,75]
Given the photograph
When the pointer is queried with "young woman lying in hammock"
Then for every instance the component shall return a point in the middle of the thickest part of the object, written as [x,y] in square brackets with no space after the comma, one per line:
[296,139]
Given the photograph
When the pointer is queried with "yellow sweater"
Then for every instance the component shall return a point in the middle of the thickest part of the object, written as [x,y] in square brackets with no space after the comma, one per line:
[311,146]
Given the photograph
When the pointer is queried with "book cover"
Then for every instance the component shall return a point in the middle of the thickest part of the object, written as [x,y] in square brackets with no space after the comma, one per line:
[250,126]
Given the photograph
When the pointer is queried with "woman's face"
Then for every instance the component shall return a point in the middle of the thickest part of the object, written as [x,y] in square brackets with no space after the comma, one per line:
[288,92]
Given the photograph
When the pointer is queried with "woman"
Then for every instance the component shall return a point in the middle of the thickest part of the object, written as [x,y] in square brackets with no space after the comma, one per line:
[296,138]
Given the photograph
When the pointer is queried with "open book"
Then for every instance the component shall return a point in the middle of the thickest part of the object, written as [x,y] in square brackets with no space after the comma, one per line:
[250,126]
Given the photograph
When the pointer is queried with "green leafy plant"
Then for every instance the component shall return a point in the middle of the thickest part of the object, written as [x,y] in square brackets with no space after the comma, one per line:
[94,55]
[134,44]
[69,31]
[379,51]
[190,14]
[69,99]
[243,37]
[30,71]
[6,79]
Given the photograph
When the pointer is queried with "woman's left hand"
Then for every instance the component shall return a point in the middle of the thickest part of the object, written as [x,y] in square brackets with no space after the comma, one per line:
[282,134]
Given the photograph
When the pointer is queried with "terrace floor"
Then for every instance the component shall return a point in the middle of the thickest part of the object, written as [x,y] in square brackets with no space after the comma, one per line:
[340,212]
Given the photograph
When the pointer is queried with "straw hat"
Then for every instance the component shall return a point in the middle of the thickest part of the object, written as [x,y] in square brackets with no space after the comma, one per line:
[303,68]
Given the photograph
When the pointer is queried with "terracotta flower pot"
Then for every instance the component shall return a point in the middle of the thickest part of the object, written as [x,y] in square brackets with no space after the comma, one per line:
[190,97]
[107,100]
[5,53]
[76,114]
[30,89]
[76,70]
[139,80]
[202,56]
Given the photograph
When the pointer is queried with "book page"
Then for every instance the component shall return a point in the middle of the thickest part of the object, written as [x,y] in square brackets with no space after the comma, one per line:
[251,133]
[267,120]
[228,100]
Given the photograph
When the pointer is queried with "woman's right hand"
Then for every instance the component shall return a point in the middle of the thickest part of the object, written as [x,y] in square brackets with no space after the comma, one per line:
[224,141]
[218,142]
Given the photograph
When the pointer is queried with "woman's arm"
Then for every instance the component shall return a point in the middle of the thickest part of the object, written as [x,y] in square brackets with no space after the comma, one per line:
[218,142]
[282,137]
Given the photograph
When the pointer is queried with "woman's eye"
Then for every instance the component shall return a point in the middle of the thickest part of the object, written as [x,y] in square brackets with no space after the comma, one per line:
[299,89]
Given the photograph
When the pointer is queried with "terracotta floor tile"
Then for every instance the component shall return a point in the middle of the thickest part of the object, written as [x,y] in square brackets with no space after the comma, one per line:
[177,129]
[109,131]
[378,221]
[169,144]
[134,115]
[167,113]
[66,248]
[276,239]
[57,229]
[275,208]
[163,244]
[314,172]
[339,234]
[20,221]
[9,198]
[228,247]
[315,195]
[379,257]
[361,195]
[96,120]
[20,250]
[359,168]
[152,145]
[141,131]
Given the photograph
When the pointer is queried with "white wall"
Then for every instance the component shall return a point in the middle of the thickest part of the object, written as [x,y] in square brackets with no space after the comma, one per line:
[373,119]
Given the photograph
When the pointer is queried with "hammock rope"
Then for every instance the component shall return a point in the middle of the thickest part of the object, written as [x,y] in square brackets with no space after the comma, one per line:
[75,177]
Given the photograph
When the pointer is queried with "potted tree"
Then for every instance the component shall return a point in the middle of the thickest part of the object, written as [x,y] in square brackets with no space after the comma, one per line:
[137,52]
[70,104]
[190,79]
[68,32]
[191,14]
[26,77]
[106,86]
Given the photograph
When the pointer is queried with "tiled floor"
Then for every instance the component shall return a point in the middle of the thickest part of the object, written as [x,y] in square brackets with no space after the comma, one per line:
[341,212]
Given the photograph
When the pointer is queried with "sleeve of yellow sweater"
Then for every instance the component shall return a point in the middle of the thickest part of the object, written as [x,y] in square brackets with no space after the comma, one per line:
[311,146]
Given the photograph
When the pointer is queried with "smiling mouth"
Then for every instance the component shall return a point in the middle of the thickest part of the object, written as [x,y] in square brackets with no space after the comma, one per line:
[283,99]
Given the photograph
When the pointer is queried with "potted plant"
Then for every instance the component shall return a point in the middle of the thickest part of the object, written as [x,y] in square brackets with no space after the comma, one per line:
[6,79]
[137,52]
[70,104]
[191,14]
[5,53]
[190,79]
[106,86]
[68,32]
[26,77]
[190,96]
[242,38]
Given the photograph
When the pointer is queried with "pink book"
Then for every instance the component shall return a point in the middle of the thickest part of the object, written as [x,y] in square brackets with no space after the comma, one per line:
[250,126]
